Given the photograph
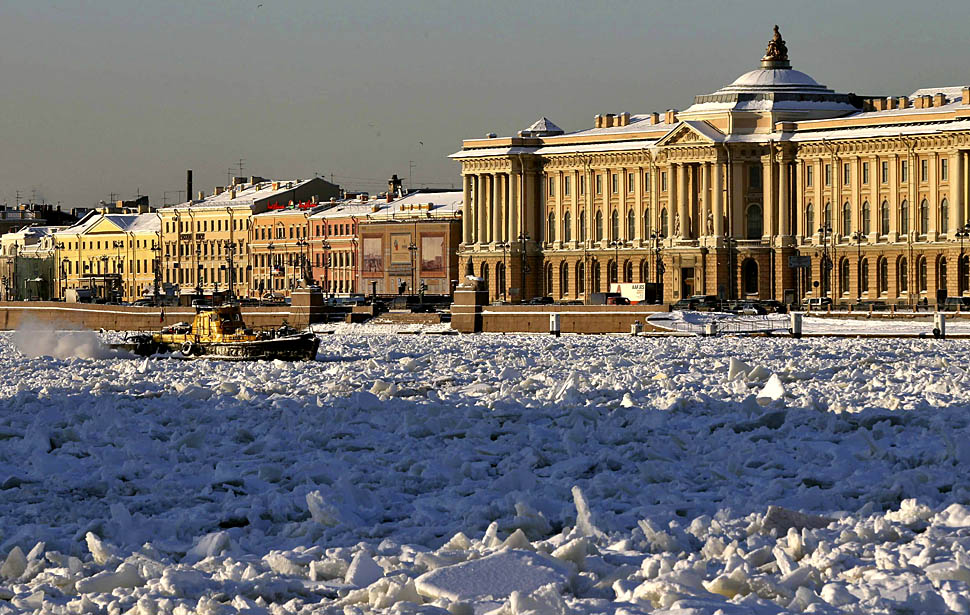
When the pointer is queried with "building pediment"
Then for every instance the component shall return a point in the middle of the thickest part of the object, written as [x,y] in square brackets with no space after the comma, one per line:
[691,133]
[104,225]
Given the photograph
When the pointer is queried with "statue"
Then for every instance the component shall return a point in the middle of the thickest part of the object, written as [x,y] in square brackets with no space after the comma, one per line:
[710,224]
[469,267]
[676,225]
[776,49]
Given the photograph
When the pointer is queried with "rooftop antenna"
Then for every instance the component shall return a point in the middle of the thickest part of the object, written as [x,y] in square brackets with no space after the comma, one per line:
[411,166]
[240,166]
[18,198]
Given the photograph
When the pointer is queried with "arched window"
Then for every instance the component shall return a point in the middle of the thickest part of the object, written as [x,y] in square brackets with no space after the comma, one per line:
[882,276]
[827,216]
[628,271]
[963,274]
[904,217]
[749,276]
[902,274]
[484,274]
[866,218]
[580,278]
[563,279]
[755,225]
[646,224]
[612,271]
[663,223]
[864,276]
[567,228]
[921,271]
[884,218]
[500,280]
[944,217]
[809,229]
[548,270]
[552,227]
[846,219]
[615,225]
[644,270]
[924,217]
[599,227]
[631,225]
[582,226]
[941,273]
[595,276]
[844,276]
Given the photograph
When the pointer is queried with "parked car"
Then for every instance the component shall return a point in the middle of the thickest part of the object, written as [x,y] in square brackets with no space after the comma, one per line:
[143,303]
[952,304]
[700,303]
[773,306]
[540,301]
[752,308]
[617,301]
[819,303]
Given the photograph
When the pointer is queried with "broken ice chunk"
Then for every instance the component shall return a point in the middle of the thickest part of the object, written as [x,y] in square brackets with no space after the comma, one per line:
[773,390]
[496,575]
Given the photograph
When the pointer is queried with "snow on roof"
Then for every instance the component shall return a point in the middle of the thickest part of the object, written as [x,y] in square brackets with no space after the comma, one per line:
[869,132]
[247,194]
[541,128]
[349,208]
[423,205]
[952,92]
[132,223]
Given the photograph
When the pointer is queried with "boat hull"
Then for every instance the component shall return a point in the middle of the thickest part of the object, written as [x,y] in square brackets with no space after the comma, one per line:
[302,347]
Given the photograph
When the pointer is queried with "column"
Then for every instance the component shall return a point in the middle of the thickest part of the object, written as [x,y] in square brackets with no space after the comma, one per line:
[529,204]
[638,204]
[705,204]
[499,208]
[736,202]
[933,198]
[466,209]
[489,180]
[514,200]
[956,189]
[797,225]
[894,199]
[717,209]
[481,207]
[574,204]
[682,197]
[768,196]
[784,205]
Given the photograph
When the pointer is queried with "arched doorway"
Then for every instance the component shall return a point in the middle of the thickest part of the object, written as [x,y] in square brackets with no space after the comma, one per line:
[749,276]
[500,281]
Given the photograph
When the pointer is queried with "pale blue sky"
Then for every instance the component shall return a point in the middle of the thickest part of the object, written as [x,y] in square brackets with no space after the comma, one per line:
[121,95]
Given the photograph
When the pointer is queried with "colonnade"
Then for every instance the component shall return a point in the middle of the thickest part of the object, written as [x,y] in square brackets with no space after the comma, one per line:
[492,209]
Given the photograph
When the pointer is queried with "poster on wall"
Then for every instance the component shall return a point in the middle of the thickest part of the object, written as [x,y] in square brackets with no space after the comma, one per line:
[432,254]
[399,248]
[372,255]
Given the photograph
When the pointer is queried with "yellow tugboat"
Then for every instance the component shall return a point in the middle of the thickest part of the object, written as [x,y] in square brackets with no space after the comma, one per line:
[219,332]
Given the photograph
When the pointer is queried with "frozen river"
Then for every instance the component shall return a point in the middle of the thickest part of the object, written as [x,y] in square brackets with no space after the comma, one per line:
[470,474]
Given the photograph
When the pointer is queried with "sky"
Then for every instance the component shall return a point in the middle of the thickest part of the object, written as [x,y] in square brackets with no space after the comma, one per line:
[105,99]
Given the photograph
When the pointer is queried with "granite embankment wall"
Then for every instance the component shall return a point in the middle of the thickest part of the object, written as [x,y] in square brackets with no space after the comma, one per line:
[127,318]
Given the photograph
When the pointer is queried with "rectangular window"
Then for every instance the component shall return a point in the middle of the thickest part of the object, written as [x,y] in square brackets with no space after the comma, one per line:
[629,182]
[865,173]
[924,170]
[828,175]
[615,183]
[904,171]
[599,184]
[885,172]
[552,186]
[944,169]
[754,176]
[809,172]
[646,181]
[582,184]
[846,173]
[663,181]
[566,188]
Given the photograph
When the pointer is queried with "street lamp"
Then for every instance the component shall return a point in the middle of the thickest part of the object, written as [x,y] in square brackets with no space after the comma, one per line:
[658,238]
[523,239]
[413,249]
[303,244]
[156,269]
[504,245]
[615,244]
[325,247]
[230,252]
[825,264]
[198,273]
[64,263]
[858,236]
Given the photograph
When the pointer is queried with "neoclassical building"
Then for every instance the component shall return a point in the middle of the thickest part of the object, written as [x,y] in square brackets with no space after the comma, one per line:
[868,194]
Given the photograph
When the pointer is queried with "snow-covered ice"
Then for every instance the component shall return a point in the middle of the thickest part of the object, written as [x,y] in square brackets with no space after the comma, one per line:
[509,474]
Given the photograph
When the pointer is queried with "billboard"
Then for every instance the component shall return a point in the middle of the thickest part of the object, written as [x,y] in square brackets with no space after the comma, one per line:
[400,255]
[372,255]
[432,253]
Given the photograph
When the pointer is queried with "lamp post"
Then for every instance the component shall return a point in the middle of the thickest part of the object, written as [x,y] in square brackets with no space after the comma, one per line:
[825,264]
[658,238]
[230,253]
[272,269]
[504,245]
[858,236]
[64,263]
[303,244]
[963,232]
[198,272]
[523,239]
[413,249]
[58,249]
[117,245]
[325,247]
[615,244]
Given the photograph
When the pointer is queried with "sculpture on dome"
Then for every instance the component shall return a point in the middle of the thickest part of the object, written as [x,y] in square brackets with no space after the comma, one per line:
[776,49]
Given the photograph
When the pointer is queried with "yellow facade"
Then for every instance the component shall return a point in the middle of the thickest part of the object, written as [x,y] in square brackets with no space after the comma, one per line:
[716,198]
[112,255]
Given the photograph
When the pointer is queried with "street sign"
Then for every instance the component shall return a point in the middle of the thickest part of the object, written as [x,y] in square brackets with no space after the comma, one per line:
[799,262]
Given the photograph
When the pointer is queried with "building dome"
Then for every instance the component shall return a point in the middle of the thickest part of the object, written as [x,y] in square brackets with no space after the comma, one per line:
[774,80]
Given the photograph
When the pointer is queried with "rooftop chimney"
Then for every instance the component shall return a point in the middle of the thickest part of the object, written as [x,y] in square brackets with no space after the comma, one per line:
[188,185]
[394,186]
[670,116]
[965,95]
[903,102]
[654,118]
[201,195]
[939,99]
[218,190]
[890,102]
